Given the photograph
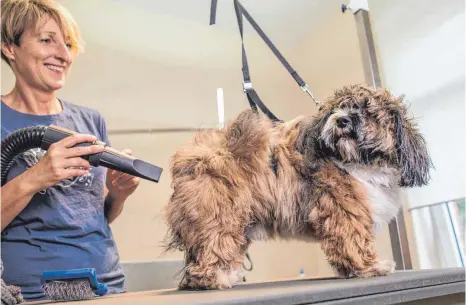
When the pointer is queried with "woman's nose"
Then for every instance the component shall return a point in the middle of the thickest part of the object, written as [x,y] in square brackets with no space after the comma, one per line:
[64,53]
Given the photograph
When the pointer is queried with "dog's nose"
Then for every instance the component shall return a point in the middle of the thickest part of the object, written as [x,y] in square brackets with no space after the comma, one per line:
[342,122]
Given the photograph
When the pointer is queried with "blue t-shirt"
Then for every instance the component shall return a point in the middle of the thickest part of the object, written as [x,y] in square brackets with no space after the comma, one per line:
[64,226]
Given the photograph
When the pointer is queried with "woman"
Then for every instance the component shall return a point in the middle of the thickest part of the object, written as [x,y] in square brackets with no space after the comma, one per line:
[56,208]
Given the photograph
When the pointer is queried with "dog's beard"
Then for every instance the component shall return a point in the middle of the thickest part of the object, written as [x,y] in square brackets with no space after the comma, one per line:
[348,149]
[340,140]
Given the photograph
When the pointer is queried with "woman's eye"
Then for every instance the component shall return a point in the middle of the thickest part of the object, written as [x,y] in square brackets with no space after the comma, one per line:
[69,45]
[46,40]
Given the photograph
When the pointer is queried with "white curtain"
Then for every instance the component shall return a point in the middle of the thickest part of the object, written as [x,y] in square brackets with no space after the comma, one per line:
[439,235]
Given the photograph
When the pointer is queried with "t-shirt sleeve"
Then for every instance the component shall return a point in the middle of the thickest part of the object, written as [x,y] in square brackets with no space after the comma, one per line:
[103,129]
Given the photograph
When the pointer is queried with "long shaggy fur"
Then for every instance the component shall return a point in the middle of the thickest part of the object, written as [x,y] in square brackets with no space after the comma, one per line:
[332,178]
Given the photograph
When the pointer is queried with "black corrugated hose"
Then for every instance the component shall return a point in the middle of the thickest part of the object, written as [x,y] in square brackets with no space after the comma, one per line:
[17,142]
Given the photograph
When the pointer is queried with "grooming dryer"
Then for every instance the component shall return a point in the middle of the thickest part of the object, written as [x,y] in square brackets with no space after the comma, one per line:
[43,136]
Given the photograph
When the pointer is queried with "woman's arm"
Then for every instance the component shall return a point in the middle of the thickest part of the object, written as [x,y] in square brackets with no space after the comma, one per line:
[61,161]
[16,195]
[113,206]
[118,187]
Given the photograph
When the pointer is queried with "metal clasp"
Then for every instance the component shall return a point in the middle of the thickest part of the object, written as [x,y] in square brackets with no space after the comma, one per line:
[247,86]
[305,88]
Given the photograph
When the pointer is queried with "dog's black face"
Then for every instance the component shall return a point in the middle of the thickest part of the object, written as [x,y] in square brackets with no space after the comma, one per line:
[344,130]
[360,125]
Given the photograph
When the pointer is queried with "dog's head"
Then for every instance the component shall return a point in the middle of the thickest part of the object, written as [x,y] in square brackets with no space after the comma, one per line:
[361,125]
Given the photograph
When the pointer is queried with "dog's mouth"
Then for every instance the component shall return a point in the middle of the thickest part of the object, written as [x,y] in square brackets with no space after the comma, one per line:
[339,127]
[346,132]
[340,134]
[346,126]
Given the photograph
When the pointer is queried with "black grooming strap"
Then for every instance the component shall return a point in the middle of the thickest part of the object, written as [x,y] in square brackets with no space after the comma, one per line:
[213,11]
[269,43]
[252,95]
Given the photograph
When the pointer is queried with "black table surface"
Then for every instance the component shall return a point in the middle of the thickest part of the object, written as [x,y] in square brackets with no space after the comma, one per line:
[402,286]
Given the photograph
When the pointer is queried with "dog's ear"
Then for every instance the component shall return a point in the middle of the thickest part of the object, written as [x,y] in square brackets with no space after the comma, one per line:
[309,139]
[318,123]
[411,152]
[308,144]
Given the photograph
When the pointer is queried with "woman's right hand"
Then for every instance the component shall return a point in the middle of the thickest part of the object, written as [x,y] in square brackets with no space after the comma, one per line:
[62,161]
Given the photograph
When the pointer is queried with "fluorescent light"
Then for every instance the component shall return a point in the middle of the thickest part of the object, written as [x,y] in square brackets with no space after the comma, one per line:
[220,108]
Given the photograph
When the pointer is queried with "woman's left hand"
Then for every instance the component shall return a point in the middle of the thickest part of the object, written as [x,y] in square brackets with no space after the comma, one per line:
[119,184]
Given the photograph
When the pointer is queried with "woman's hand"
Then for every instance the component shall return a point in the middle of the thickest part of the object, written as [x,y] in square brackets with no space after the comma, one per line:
[63,161]
[121,185]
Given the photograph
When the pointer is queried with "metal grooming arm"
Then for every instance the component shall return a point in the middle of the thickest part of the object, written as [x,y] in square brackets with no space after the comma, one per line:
[397,228]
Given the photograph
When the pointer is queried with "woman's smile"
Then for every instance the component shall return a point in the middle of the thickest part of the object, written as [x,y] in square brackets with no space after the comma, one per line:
[55,68]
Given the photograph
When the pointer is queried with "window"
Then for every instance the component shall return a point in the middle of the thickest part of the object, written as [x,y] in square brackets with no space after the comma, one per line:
[439,234]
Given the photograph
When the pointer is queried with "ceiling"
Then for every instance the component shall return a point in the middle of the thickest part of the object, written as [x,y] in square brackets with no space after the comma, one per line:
[284,20]
[177,32]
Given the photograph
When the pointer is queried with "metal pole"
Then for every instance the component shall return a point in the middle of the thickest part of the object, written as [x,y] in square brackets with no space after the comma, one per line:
[397,228]
[366,41]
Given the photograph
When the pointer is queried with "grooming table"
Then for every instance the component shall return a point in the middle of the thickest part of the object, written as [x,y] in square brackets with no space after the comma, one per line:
[401,287]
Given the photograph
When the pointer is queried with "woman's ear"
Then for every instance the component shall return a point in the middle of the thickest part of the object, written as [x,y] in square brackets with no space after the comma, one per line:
[412,153]
[8,51]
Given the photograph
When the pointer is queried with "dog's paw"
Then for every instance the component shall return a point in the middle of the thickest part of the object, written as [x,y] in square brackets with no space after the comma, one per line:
[380,269]
[219,280]
[385,267]
[226,280]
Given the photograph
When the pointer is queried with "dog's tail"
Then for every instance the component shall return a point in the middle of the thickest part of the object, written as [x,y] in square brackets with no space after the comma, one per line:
[247,136]
[241,145]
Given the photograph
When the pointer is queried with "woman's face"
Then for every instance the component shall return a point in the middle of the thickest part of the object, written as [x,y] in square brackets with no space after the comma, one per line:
[43,58]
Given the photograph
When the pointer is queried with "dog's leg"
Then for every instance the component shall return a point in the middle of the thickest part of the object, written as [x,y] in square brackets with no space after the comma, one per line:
[209,225]
[344,227]
[215,264]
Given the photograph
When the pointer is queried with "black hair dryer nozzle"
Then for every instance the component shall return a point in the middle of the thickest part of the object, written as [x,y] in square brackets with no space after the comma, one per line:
[109,158]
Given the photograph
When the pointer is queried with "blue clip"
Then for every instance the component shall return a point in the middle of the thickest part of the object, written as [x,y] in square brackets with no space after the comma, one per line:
[75,274]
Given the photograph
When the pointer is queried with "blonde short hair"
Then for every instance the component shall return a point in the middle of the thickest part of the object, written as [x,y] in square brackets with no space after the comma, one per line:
[19,15]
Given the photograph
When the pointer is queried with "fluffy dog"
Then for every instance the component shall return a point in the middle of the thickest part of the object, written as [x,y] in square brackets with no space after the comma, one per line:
[333,178]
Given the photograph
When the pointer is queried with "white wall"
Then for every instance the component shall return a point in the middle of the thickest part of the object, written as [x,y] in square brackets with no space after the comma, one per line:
[421,45]
[141,70]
